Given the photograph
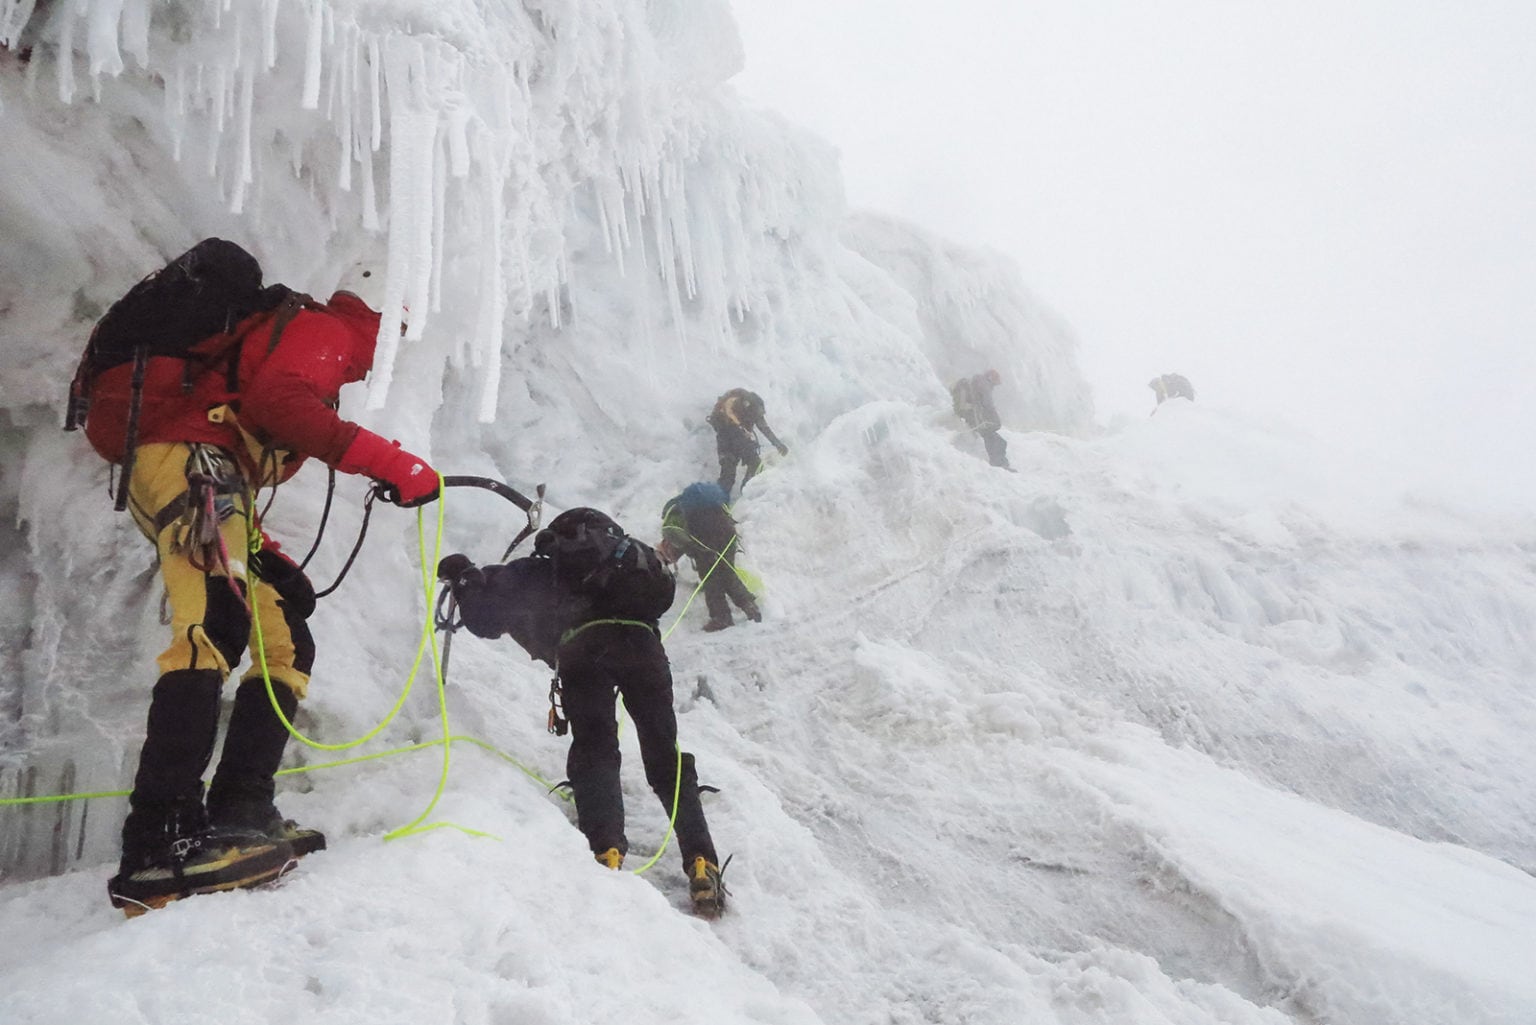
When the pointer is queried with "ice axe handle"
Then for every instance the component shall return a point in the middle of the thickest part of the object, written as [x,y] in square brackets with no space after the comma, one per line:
[506,491]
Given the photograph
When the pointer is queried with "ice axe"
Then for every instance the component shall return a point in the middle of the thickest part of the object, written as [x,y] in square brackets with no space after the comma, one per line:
[534,507]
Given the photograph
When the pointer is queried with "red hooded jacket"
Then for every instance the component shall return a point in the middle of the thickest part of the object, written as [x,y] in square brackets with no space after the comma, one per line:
[284,398]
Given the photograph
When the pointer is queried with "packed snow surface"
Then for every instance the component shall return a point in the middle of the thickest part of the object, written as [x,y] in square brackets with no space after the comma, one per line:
[1190,720]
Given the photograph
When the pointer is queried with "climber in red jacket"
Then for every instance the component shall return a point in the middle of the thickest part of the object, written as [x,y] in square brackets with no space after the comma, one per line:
[209,432]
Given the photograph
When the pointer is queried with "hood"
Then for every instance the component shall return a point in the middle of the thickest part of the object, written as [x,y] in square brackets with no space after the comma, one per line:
[362,321]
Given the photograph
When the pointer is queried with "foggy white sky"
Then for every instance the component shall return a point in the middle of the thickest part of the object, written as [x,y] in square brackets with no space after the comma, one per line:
[1323,210]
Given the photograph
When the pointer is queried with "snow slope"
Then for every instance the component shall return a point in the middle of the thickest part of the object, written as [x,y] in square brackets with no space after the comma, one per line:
[1196,720]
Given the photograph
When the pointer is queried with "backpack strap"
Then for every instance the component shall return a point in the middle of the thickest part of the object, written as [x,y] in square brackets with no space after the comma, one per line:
[131,440]
[293,305]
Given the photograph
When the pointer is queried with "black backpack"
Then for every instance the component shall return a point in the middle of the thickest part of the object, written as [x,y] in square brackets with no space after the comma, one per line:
[591,556]
[522,601]
[186,311]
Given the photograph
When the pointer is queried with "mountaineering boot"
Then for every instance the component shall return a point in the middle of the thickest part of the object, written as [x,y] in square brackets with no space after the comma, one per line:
[264,820]
[240,797]
[611,858]
[706,888]
[716,624]
[169,851]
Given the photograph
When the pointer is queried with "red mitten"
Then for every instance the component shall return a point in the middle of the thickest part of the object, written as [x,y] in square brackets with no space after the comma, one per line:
[412,480]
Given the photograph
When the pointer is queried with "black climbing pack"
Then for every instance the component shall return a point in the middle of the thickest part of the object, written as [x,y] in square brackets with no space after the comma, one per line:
[519,599]
[591,556]
[186,311]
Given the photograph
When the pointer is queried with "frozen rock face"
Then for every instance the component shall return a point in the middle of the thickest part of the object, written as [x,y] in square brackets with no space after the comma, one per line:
[586,234]
[975,314]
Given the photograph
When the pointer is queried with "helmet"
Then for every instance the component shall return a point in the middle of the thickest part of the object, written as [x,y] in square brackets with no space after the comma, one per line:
[363,280]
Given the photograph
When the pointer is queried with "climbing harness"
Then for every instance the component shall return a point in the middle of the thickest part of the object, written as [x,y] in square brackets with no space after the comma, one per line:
[215,492]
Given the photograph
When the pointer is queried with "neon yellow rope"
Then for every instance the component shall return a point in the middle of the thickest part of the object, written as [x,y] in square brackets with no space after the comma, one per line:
[315,767]
[410,681]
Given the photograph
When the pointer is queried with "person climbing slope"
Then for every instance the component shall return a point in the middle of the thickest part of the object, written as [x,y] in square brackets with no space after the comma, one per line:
[1171,386]
[249,397]
[697,523]
[737,417]
[588,604]
[972,398]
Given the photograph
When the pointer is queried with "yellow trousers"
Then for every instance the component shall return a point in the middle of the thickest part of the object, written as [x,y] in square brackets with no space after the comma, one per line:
[211,623]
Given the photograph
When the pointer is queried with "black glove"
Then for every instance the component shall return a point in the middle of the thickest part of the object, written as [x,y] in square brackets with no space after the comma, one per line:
[283,574]
[454,567]
[783,449]
[473,590]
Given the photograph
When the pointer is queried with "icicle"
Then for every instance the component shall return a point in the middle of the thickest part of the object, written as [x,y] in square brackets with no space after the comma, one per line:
[439,218]
[243,172]
[370,195]
[135,31]
[493,284]
[330,94]
[346,129]
[269,34]
[418,293]
[102,19]
[66,56]
[375,71]
[13,18]
[677,224]
[605,227]
[312,53]
[412,141]
[216,91]
[237,42]
[457,130]
[176,108]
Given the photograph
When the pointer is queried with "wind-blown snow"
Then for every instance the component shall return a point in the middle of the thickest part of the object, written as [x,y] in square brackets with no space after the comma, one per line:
[1199,720]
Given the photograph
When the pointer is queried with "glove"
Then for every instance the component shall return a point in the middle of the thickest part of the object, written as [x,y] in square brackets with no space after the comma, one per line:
[283,574]
[668,551]
[408,479]
[783,448]
[474,591]
[457,569]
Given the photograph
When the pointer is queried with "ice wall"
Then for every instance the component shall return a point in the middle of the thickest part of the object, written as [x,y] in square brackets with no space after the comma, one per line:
[588,235]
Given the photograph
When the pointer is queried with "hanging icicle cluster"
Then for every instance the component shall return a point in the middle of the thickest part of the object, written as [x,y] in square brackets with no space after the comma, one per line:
[458,131]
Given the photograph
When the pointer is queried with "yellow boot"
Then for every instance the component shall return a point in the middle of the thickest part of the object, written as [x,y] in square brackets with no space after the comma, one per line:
[706,888]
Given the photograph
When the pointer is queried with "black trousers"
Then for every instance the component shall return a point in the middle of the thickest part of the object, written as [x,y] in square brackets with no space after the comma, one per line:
[736,446]
[629,660]
[997,448]
[722,585]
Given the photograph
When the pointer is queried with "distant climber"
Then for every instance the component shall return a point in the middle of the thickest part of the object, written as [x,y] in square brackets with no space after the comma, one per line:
[232,386]
[737,416]
[1171,386]
[697,523]
[587,603]
[972,397]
